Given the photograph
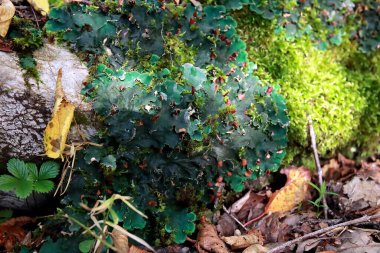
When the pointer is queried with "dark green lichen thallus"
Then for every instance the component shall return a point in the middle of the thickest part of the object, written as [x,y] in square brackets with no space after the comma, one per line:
[180,110]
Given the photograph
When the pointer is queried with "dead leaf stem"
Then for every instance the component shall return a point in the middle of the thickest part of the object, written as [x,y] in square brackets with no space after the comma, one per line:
[318,165]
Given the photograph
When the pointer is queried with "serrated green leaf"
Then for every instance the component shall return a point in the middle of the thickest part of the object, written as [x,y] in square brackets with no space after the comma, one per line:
[49,169]
[23,188]
[17,168]
[43,186]
[33,171]
[7,182]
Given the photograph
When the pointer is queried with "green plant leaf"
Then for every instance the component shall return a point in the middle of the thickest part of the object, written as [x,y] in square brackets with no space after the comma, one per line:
[85,246]
[180,223]
[43,186]
[23,188]
[7,182]
[33,171]
[17,168]
[48,170]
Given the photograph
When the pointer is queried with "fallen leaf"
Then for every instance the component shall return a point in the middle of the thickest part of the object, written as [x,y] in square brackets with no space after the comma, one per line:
[208,239]
[371,170]
[12,232]
[308,245]
[357,240]
[243,241]
[256,248]
[361,190]
[226,225]
[293,193]
[42,6]
[7,11]
[120,241]
[253,207]
[135,249]
[240,202]
[57,129]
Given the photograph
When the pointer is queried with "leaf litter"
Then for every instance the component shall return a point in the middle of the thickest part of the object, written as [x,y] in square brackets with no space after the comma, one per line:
[286,214]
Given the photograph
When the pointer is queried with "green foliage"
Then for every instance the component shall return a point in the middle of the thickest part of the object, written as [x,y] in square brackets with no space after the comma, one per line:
[25,35]
[180,224]
[364,70]
[325,22]
[322,191]
[62,245]
[28,63]
[26,178]
[176,98]
[314,84]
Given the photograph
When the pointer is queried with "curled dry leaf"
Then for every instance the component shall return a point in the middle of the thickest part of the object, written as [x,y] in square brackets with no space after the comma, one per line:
[208,240]
[58,127]
[293,193]
[120,241]
[7,11]
[243,241]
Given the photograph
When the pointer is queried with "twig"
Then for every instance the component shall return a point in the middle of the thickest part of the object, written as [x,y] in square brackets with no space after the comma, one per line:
[318,165]
[234,218]
[322,231]
[35,17]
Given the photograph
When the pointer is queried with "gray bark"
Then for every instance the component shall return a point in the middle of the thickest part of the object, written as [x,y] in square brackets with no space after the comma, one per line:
[25,111]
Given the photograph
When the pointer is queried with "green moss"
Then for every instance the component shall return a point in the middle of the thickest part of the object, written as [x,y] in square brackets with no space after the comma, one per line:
[25,35]
[314,84]
[28,63]
[364,70]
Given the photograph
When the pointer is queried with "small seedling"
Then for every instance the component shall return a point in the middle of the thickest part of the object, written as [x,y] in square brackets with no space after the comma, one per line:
[322,191]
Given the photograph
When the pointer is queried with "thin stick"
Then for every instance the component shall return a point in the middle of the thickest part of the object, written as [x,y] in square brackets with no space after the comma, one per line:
[234,218]
[318,165]
[322,231]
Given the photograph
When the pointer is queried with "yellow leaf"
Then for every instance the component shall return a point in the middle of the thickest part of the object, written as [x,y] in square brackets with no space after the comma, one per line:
[57,129]
[292,193]
[41,6]
[7,11]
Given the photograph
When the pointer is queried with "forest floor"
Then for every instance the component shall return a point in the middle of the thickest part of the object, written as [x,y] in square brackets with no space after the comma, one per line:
[351,224]
[290,216]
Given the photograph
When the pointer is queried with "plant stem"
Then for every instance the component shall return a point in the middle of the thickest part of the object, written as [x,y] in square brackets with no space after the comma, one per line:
[318,165]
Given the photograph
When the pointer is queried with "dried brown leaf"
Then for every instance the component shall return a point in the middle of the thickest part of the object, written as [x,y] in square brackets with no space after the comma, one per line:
[12,232]
[243,241]
[120,241]
[361,190]
[135,249]
[256,248]
[208,239]
[226,225]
